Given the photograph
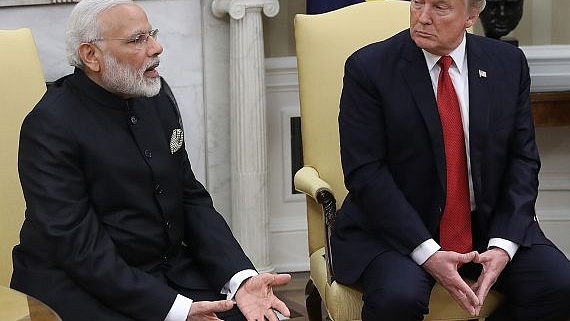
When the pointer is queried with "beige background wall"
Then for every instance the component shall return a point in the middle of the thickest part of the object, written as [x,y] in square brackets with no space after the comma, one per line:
[544,22]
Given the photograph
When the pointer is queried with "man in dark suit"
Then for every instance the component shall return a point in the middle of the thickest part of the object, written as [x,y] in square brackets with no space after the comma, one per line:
[117,227]
[397,160]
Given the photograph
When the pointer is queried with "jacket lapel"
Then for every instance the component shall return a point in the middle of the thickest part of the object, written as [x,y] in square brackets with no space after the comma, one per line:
[480,101]
[418,79]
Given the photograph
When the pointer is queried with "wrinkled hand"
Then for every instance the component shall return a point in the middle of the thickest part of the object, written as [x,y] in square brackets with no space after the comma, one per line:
[493,262]
[256,300]
[206,310]
[443,267]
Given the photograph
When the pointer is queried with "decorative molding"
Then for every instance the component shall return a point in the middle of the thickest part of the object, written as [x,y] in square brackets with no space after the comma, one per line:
[554,215]
[554,182]
[292,267]
[282,75]
[285,224]
[13,3]
[237,8]
[549,67]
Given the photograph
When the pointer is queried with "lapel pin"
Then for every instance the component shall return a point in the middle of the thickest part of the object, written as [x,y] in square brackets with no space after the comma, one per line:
[482,74]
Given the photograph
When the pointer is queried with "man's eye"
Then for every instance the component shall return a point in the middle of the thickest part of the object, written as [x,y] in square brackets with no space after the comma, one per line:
[137,39]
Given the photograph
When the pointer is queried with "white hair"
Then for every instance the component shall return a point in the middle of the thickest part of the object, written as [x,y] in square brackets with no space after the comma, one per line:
[478,4]
[83,26]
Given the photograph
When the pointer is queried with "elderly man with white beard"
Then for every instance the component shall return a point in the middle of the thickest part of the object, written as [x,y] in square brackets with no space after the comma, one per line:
[117,227]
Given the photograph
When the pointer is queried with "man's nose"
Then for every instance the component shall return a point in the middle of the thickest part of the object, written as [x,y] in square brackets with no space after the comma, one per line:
[424,16]
[154,46]
[502,10]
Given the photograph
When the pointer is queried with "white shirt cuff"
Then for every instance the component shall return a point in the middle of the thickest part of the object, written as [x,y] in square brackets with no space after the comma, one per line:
[423,251]
[180,309]
[233,284]
[509,247]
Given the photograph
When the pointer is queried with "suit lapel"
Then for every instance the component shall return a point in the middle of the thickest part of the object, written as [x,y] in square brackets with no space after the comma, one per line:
[418,79]
[480,101]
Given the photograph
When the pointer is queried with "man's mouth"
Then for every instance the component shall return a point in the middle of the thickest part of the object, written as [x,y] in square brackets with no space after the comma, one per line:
[151,71]
[422,33]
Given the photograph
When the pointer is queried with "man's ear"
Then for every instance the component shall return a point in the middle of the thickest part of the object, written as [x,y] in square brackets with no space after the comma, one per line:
[473,16]
[91,56]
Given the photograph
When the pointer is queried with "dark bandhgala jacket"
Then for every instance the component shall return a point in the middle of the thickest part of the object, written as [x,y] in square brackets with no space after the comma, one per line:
[393,157]
[113,214]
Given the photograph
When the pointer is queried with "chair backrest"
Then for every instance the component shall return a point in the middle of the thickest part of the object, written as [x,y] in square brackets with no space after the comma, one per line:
[21,86]
[323,43]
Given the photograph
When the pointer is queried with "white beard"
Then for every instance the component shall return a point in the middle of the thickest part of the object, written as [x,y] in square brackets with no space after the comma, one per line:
[122,79]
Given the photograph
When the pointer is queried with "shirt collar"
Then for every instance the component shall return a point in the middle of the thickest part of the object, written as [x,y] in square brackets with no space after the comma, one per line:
[97,93]
[457,54]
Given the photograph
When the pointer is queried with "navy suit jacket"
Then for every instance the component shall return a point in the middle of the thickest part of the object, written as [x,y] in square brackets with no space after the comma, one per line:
[393,156]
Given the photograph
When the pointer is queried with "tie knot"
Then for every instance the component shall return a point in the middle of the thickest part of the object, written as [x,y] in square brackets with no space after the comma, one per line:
[445,62]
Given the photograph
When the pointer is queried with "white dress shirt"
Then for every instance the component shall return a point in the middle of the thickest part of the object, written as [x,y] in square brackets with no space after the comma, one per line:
[181,306]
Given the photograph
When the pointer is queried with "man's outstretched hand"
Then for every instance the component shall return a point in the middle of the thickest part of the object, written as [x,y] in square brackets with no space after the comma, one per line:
[256,300]
[443,267]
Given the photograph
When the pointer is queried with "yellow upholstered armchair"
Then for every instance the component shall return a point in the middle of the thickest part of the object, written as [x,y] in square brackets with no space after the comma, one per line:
[324,42]
[21,86]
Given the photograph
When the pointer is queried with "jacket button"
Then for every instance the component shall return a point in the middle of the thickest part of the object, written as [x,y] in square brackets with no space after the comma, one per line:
[134,120]
[148,153]
[168,225]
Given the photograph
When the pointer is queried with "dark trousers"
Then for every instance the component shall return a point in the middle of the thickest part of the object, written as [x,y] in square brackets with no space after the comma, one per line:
[536,284]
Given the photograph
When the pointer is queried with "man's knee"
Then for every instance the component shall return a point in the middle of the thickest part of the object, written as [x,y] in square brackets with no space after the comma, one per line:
[561,293]
[394,304]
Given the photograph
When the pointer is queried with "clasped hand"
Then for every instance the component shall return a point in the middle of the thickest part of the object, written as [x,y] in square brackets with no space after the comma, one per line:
[443,267]
[254,298]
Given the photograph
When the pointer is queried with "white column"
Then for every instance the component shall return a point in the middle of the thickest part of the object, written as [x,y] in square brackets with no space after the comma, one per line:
[248,125]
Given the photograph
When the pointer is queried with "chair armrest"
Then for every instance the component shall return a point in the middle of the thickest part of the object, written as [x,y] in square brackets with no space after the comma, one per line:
[307,181]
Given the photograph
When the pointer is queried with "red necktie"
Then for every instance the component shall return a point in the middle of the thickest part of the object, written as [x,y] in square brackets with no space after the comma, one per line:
[455,225]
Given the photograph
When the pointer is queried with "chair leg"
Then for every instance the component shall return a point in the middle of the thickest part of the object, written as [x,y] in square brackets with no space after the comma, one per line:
[313,302]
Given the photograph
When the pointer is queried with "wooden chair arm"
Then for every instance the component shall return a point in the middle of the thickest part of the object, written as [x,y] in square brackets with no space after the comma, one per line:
[307,181]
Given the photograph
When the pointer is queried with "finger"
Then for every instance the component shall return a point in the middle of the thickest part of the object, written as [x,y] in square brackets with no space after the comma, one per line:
[475,286]
[213,317]
[477,311]
[468,257]
[463,295]
[271,315]
[483,290]
[279,279]
[219,306]
[462,300]
[281,307]
[471,299]
[478,259]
